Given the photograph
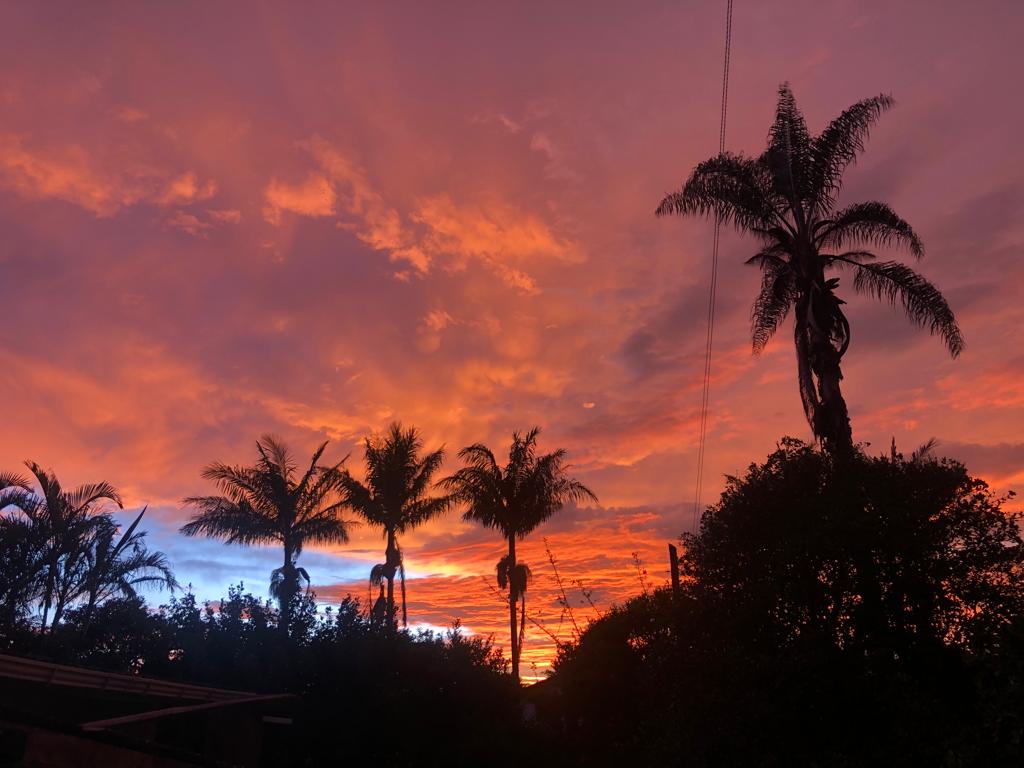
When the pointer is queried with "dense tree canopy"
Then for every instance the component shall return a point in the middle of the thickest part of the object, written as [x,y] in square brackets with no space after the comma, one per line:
[858,612]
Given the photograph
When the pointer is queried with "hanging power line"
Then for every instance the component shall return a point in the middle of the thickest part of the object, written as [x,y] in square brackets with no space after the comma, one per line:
[709,338]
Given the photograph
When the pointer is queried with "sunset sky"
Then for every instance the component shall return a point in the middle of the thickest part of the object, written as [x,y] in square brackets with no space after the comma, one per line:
[220,220]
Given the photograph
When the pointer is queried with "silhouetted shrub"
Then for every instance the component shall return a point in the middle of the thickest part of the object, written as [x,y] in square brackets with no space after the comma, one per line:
[863,611]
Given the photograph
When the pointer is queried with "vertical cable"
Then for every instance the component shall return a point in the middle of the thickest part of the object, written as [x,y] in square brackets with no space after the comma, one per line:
[710,336]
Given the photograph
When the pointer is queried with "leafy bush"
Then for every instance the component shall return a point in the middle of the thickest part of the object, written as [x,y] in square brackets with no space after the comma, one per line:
[859,611]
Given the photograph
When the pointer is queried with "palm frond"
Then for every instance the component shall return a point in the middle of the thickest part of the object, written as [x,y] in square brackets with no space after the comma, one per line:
[422,510]
[478,455]
[789,151]
[220,518]
[303,484]
[83,497]
[234,482]
[377,574]
[426,468]
[871,222]
[840,143]
[778,292]
[847,256]
[732,187]
[25,501]
[13,480]
[276,455]
[501,572]
[323,529]
[361,499]
[47,480]
[922,301]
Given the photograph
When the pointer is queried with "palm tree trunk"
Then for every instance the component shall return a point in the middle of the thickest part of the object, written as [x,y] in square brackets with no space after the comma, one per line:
[389,573]
[58,613]
[832,418]
[285,598]
[46,612]
[90,608]
[512,618]
[51,578]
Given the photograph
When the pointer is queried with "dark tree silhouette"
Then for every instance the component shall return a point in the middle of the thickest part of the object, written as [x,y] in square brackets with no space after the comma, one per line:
[64,523]
[514,500]
[395,498]
[270,503]
[120,566]
[787,199]
[853,611]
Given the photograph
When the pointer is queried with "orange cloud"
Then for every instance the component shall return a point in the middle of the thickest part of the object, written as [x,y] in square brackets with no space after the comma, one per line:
[66,174]
[189,223]
[314,197]
[227,216]
[499,236]
[368,216]
[72,174]
[185,189]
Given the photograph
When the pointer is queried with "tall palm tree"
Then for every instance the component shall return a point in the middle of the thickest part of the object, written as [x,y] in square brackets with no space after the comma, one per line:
[66,521]
[395,498]
[271,503]
[123,565]
[787,198]
[514,500]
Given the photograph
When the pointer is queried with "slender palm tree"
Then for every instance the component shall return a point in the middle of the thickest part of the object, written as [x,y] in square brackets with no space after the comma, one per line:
[122,565]
[66,522]
[271,503]
[787,198]
[395,498]
[514,500]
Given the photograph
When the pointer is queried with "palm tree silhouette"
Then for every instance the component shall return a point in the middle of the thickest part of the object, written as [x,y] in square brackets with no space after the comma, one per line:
[394,497]
[123,565]
[514,500]
[787,199]
[66,522]
[270,503]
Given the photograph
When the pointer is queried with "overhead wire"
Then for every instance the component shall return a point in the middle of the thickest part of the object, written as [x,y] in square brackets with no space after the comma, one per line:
[713,288]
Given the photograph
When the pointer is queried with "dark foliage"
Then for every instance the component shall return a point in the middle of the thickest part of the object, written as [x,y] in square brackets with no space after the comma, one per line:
[61,548]
[394,697]
[862,613]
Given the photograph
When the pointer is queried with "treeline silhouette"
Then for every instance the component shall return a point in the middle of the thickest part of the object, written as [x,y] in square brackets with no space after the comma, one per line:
[852,611]
[356,663]
[58,547]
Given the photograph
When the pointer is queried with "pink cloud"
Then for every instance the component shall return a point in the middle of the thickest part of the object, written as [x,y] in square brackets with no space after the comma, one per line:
[313,197]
